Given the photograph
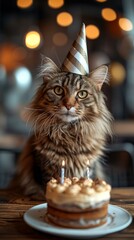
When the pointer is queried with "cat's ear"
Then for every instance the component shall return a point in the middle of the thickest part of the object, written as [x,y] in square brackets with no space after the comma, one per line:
[48,68]
[99,76]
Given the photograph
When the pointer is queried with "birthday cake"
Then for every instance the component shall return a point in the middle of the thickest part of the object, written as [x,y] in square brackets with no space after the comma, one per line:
[77,203]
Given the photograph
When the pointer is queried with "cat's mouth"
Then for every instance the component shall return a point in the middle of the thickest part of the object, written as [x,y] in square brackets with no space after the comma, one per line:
[68,117]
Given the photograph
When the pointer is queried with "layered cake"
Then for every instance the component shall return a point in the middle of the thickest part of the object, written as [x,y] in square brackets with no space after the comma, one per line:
[77,203]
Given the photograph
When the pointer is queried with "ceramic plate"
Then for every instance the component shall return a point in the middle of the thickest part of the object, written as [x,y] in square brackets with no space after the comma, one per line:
[118,219]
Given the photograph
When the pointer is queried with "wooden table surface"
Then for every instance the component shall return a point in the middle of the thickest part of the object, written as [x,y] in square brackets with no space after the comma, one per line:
[13,206]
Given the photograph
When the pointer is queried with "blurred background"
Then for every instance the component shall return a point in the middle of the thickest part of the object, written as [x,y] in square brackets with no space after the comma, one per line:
[30,29]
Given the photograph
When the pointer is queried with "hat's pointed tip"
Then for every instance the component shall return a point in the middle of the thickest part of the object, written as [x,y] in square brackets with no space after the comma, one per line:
[83,29]
[77,59]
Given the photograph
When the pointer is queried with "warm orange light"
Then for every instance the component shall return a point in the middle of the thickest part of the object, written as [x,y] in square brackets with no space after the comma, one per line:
[11,56]
[125,24]
[108,14]
[101,1]
[60,39]
[64,19]
[24,3]
[55,3]
[32,39]
[117,72]
[92,32]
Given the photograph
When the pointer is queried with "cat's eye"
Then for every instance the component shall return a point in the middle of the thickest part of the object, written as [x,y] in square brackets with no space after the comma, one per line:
[58,90]
[82,94]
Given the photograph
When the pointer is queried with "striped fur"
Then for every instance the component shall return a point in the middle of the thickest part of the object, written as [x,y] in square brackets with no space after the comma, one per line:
[65,126]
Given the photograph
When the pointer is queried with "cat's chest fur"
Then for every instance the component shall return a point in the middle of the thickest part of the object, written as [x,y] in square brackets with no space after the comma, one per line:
[75,145]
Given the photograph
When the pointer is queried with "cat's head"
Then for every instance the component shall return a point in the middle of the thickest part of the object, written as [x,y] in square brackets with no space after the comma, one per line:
[69,97]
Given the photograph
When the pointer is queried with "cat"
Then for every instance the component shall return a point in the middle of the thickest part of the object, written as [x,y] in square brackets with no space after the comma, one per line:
[70,122]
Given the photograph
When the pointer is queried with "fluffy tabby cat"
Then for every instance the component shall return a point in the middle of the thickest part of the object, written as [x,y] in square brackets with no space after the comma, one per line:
[70,121]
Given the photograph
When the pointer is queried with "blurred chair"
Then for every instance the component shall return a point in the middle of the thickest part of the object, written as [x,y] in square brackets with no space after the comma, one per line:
[119,164]
[8,160]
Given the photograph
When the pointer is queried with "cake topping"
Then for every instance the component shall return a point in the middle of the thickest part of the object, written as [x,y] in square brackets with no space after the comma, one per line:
[52,183]
[87,190]
[82,192]
[67,181]
[100,188]
[75,185]
[53,180]
[60,188]
[108,187]
[75,180]
[74,189]
[88,182]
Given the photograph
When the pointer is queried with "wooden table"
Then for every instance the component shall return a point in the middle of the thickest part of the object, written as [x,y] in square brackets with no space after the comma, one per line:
[13,206]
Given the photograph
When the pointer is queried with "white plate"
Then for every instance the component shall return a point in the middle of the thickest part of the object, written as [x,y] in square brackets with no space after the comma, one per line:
[118,219]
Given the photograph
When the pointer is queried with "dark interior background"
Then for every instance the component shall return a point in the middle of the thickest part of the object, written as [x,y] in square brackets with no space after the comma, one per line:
[114,47]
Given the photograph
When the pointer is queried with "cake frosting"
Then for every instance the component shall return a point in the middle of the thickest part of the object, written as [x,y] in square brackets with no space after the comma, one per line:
[82,193]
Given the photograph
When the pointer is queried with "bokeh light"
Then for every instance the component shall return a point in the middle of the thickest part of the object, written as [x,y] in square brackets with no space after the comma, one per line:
[60,39]
[101,1]
[92,32]
[108,14]
[64,19]
[24,3]
[11,56]
[55,3]
[23,78]
[117,72]
[125,24]
[32,39]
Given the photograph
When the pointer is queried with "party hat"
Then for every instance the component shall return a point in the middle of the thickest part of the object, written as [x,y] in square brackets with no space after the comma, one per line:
[77,58]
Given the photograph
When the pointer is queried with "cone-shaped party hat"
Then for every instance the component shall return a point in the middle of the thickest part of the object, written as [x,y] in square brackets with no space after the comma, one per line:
[77,58]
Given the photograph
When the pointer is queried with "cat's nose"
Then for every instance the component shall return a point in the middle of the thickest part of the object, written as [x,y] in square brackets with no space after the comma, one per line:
[68,106]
